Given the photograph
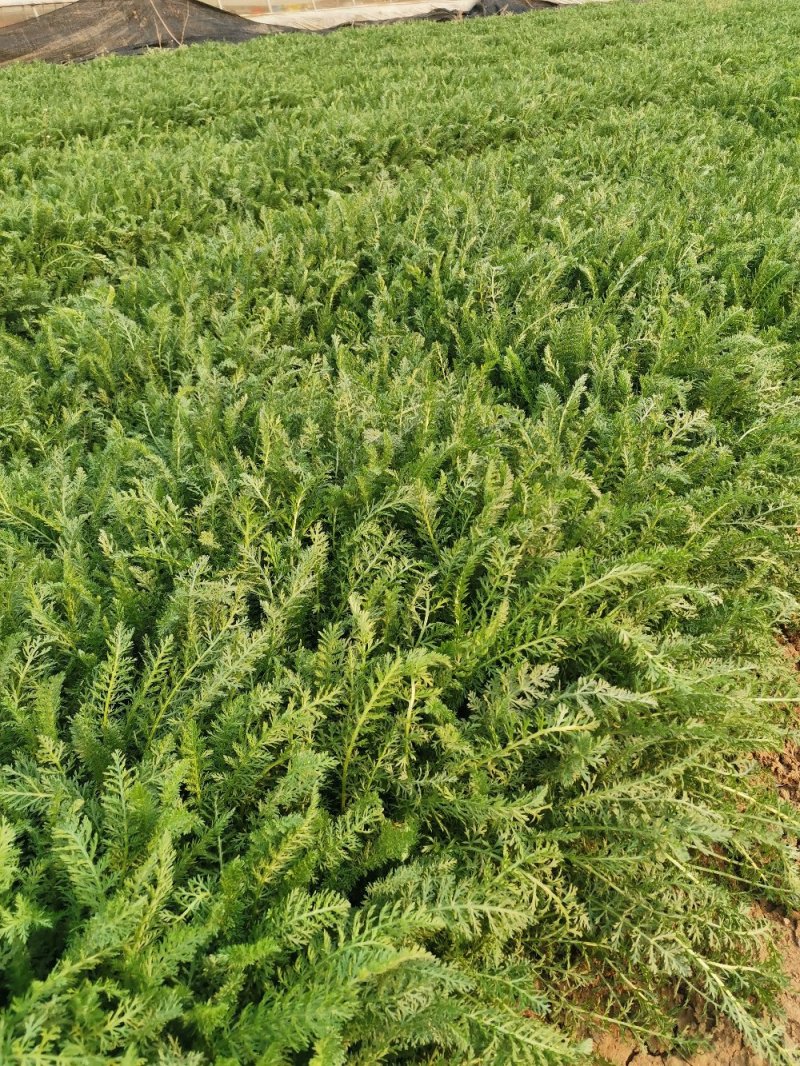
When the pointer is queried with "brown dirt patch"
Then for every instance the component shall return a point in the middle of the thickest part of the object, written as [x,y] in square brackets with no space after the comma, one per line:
[785,768]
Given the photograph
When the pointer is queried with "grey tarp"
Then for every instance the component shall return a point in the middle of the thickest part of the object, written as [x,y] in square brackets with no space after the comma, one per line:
[90,28]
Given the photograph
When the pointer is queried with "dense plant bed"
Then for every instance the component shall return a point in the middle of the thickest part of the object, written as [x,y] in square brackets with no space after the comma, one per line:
[399,493]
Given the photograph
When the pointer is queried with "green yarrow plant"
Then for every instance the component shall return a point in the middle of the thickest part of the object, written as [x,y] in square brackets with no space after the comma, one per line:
[398,504]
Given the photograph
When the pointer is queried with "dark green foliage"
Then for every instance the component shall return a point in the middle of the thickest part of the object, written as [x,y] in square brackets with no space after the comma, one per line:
[399,495]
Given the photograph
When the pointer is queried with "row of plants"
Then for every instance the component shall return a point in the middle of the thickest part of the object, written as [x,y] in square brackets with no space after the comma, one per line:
[398,502]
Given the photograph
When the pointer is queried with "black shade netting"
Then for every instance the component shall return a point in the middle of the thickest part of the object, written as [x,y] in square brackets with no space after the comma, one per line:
[90,28]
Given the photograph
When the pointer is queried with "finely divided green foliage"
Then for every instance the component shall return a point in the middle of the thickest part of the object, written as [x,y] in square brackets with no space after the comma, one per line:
[400,456]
